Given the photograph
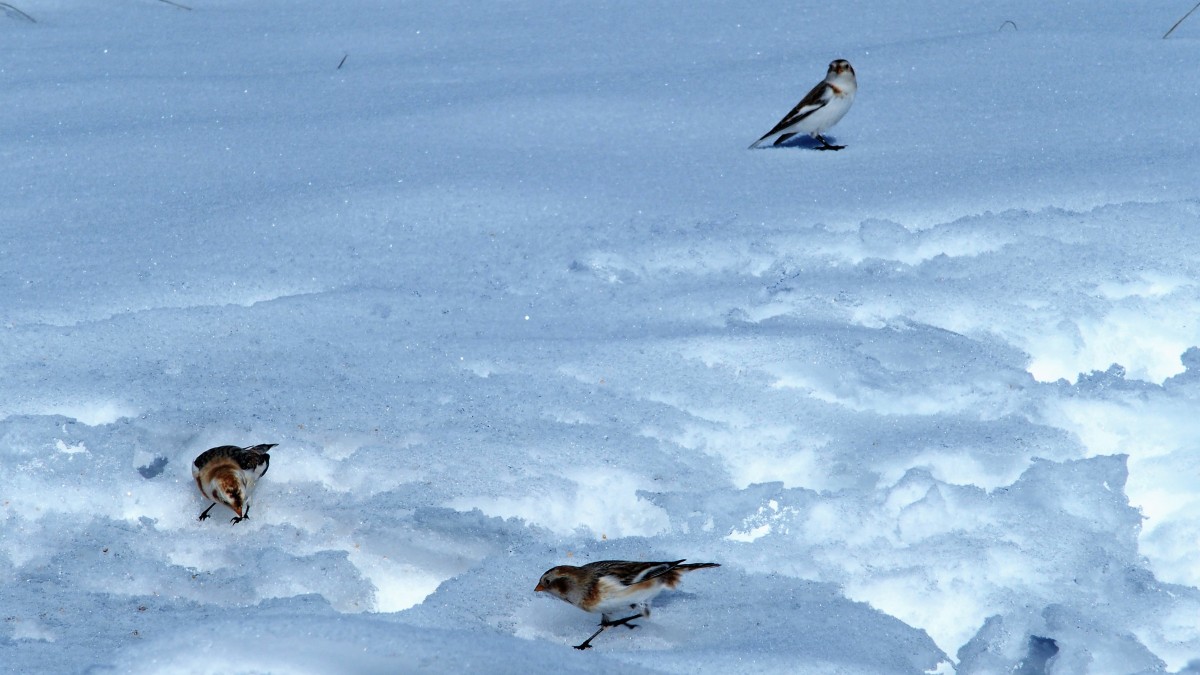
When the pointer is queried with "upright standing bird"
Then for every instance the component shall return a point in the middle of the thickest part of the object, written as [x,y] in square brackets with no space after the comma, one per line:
[609,585]
[226,475]
[820,109]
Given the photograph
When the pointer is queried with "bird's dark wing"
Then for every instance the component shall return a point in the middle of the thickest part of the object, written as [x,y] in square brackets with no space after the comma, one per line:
[214,453]
[252,457]
[248,458]
[629,572]
[812,102]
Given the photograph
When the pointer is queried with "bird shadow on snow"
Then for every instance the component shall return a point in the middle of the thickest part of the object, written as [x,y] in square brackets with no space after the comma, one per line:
[801,142]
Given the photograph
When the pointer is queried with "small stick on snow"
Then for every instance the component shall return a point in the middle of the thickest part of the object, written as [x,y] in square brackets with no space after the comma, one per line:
[1006,23]
[177,5]
[1181,20]
[344,57]
[14,10]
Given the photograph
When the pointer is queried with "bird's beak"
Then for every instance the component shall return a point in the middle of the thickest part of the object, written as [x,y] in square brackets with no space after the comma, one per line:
[539,588]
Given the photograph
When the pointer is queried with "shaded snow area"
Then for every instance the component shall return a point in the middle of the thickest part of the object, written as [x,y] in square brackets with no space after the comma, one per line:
[508,290]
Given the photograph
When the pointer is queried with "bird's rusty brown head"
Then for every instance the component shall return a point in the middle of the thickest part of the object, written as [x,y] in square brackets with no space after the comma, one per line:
[229,492]
[554,582]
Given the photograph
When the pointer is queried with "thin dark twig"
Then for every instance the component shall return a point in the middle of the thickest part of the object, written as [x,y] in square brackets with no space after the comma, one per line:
[14,10]
[346,56]
[1014,25]
[1181,20]
[177,5]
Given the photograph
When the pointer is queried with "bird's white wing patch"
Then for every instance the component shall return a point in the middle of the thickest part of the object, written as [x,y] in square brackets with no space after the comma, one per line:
[650,572]
[615,595]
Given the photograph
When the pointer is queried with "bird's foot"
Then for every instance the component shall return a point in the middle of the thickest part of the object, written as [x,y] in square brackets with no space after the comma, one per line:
[826,145]
[204,515]
[622,622]
[605,624]
[237,519]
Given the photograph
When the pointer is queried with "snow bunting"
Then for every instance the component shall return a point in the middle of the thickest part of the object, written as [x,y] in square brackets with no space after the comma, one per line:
[226,475]
[820,109]
[609,585]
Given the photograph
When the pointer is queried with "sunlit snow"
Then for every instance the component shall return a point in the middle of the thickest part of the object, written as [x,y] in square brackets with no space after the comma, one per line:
[507,289]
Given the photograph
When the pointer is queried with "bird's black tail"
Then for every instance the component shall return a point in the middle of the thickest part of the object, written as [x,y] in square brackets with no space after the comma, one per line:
[695,566]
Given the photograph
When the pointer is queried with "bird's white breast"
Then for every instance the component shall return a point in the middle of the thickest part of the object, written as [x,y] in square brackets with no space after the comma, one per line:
[616,595]
[831,113]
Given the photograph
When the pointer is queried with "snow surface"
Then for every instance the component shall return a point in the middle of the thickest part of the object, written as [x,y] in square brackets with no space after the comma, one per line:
[509,291]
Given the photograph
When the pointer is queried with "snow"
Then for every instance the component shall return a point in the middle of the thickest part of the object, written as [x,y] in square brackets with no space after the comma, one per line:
[509,292]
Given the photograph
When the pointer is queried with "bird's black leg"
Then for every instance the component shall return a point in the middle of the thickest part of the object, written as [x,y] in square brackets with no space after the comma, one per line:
[623,622]
[235,520]
[825,144]
[205,514]
[586,644]
[605,624]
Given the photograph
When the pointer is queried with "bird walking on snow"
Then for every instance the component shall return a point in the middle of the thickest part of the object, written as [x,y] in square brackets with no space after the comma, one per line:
[227,474]
[609,585]
[820,109]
